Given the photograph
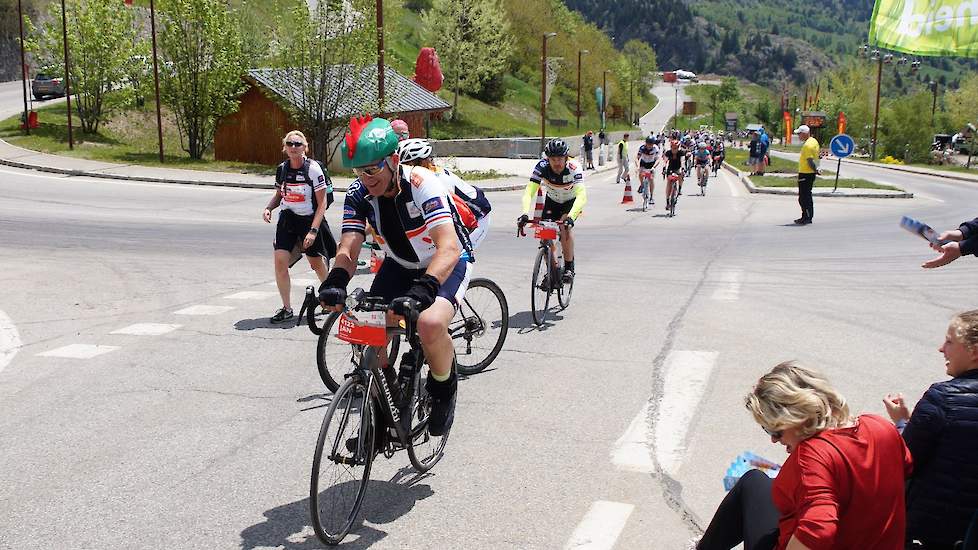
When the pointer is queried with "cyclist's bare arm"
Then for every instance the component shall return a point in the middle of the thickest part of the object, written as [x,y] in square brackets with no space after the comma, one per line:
[348,251]
[447,252]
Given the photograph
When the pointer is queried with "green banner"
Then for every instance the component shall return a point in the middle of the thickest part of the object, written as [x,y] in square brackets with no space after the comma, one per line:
[926,27]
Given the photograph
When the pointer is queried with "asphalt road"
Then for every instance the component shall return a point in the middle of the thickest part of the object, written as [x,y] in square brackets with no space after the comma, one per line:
[12,99]
[202,437]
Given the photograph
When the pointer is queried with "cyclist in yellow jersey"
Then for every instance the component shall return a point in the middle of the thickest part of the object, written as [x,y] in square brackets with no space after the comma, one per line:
[563,182]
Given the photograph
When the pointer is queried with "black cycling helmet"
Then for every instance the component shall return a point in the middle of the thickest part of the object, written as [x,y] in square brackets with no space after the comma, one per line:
[649,139]
[556,148]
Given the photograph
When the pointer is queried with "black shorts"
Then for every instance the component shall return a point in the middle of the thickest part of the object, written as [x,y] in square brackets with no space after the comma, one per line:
[553,210]
[293,228]
[393,280]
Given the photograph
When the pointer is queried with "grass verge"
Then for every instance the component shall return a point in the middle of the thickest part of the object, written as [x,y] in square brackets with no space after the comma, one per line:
[844,183]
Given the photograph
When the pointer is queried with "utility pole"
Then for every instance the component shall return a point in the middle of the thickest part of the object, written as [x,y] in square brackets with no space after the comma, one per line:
[543,91]
[579,52]
[156,78]
[64,32]
[380,55]
[604,98]
[933,109]
[876,114]
[23,65]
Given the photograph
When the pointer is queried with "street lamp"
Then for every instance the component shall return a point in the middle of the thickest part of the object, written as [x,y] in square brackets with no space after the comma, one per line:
[543,90]
[933,108]
[880,59]
[604,97]
[579,53]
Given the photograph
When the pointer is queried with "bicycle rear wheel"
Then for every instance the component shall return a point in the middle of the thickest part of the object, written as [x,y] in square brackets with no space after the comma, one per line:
[564,294]
[424,450]
[540,293]
[331,352]
[480,326]
[340,475]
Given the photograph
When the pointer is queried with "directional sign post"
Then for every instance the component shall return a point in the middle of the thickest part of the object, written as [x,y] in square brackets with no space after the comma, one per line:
[842,146]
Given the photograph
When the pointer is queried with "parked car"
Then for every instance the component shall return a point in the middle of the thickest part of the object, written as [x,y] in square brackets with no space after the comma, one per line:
[45,85]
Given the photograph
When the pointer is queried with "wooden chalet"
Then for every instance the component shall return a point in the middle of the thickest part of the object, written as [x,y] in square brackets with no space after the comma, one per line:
[254,133]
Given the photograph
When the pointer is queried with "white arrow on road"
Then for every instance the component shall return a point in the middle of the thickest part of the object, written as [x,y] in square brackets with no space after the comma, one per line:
[9,340]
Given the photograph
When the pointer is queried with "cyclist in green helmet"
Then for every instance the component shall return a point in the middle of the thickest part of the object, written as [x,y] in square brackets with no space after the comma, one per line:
[420,230]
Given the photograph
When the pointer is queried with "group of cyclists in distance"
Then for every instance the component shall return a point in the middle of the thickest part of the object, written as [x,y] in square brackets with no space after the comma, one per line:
[679,153]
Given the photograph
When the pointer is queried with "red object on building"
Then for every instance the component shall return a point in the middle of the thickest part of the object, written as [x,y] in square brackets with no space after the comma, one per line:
[427,70]
[669,76]
[128,2]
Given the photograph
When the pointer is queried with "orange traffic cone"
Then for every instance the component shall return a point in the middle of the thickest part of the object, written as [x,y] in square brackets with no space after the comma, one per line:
[627,198]
[538,207]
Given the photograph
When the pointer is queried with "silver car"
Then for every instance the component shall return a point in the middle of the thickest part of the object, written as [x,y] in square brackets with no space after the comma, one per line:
[45,85]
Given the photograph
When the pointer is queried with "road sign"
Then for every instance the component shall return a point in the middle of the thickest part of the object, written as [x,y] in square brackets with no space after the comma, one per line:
[842,146]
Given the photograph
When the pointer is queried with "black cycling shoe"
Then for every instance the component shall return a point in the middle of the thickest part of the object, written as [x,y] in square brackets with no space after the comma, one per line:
[568,276]
[282,315]
[545,283]
[442,399]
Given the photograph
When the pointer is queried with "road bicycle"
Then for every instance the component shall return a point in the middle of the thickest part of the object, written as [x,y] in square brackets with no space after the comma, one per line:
[646,179]
[704,176]
[672,182]
[548,272]
[478,332]
[717,164]
[368,417]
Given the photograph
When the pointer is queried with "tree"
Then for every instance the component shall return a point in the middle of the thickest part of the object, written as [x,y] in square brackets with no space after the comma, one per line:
[201,50]
[324,52]
[962,104]
[641,57]
[899,127]
[472,40]
[100,33]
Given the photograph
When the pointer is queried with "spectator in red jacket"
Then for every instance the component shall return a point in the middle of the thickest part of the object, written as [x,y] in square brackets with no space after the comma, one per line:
[841,487]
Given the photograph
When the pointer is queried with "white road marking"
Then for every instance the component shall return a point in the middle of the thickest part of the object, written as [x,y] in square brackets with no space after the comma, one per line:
[687,374]
[601,526]
[729,287]
[251,295]
[631,451]
[146,329]
[78,351]
[300,282]
[9,340]
[203,310]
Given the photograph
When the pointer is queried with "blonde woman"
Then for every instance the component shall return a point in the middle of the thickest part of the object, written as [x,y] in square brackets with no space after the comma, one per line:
[942,434]
[841,486]
[304,191]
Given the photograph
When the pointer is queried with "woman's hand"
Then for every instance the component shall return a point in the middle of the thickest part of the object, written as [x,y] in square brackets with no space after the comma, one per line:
[949,252]
[953,235]
[896,407]
[307,242]
[267,215]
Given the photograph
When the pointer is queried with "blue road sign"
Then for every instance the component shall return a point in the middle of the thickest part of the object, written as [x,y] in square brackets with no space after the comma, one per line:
[842,146]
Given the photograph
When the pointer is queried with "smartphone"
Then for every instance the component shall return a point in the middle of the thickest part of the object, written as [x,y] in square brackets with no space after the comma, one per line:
[923,230]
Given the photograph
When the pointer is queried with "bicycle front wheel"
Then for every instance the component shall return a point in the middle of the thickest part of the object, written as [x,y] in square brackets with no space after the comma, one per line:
[341,464]
[480,326]
[540,291]
[424,449]
[333,353]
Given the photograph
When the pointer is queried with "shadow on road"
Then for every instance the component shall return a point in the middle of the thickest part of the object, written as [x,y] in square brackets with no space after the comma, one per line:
[262,322]
[523,321]
[289,526]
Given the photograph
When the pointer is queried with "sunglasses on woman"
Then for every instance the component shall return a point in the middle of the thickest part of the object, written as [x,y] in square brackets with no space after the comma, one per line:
[295,144]
[775,435]
[371,170]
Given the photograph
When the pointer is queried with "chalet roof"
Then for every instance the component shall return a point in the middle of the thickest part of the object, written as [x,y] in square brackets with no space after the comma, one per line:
[358,94]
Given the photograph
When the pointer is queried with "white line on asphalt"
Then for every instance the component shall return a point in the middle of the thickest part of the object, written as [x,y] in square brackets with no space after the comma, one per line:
[251,295]
[300,282]
[600,527]
[203,310]
[631,451]
[686,377]
[146,329]
[9,340]
[78,351]
[729,287]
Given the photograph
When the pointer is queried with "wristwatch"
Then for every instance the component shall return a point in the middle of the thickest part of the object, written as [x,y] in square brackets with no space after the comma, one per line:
[314,230]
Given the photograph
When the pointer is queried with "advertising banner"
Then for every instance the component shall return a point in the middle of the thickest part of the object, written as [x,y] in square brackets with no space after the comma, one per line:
[926,27]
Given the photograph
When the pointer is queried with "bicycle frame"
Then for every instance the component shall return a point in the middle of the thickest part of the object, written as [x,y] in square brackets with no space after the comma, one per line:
[555,254]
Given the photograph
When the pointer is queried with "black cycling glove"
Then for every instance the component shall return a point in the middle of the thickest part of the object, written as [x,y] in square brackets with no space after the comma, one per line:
[333,290]
[569,221]
[422,293]
[523,220]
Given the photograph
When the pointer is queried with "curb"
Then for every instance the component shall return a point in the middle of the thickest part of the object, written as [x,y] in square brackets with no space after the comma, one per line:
[240,185]
[911,170]
[745,180]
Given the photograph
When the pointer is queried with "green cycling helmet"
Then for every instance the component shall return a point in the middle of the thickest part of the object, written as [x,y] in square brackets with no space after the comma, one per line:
[367,141]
